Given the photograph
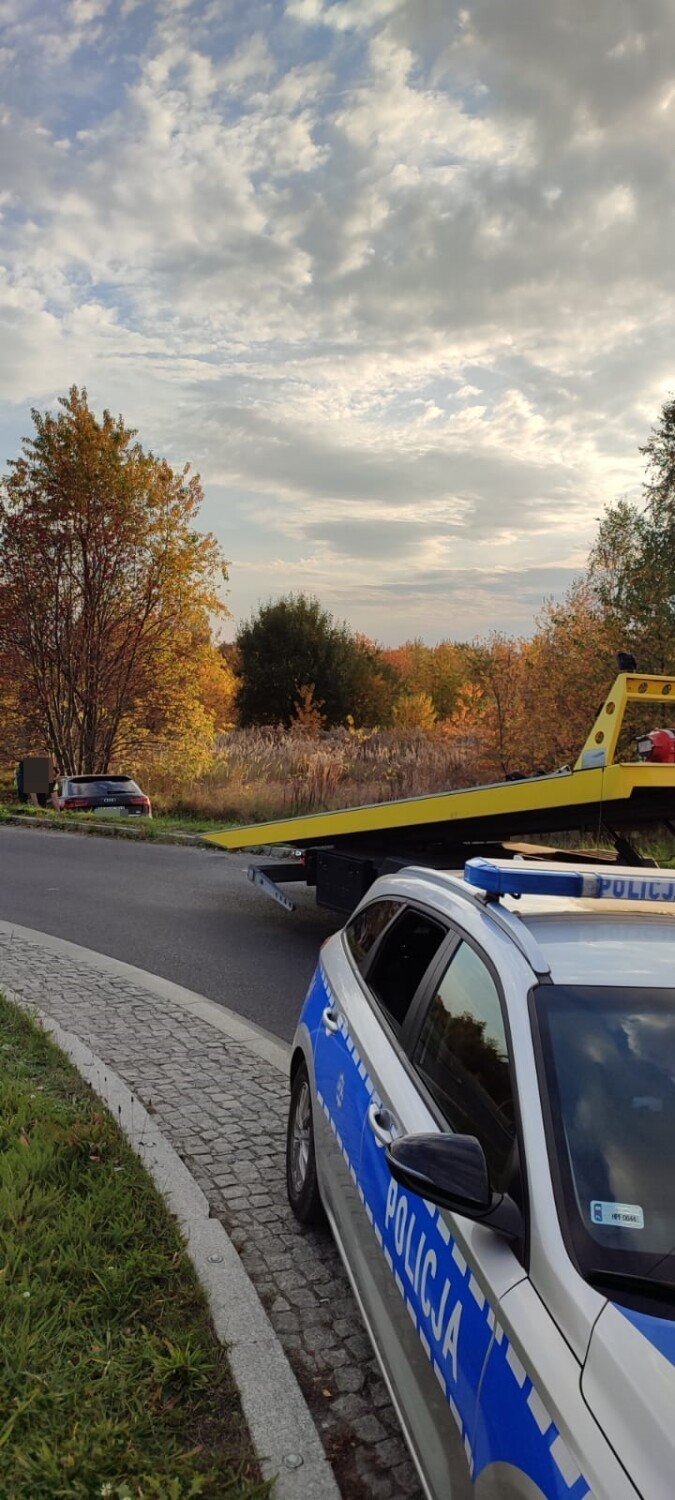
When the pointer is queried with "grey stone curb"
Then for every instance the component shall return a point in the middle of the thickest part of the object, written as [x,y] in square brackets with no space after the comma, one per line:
[263,1043]
[279,1420]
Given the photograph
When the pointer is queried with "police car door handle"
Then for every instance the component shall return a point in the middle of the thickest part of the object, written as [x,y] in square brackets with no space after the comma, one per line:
[382,1124]
[330,1019]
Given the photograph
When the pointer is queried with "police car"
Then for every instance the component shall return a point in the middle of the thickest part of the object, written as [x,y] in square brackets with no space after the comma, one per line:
[483,1106]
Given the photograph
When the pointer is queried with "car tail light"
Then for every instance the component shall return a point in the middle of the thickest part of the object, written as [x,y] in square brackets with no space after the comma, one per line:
[138,802]
[70,803]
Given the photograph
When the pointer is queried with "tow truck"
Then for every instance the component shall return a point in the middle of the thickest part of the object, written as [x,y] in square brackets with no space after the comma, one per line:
[341,853]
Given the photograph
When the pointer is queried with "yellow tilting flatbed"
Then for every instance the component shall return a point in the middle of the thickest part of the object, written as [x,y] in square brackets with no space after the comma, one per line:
[345,850]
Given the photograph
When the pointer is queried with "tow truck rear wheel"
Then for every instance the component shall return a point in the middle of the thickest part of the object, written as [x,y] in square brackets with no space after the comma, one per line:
[301,1179]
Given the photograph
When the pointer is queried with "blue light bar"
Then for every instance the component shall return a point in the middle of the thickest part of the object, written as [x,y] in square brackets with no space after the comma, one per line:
[511,878]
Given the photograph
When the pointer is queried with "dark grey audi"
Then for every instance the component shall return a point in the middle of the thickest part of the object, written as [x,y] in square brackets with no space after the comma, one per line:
[114,795]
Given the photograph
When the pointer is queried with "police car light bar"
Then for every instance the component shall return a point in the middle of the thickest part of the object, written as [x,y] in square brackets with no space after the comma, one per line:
[511,878]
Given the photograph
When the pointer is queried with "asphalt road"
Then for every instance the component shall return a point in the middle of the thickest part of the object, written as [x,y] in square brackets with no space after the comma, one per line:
[187,914]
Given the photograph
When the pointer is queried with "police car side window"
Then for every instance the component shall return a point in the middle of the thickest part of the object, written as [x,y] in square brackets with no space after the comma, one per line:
[462,1056]
[401,961]
[362,933]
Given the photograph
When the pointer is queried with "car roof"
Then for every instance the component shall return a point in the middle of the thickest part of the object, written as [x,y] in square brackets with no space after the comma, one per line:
[99,776]
[581,940]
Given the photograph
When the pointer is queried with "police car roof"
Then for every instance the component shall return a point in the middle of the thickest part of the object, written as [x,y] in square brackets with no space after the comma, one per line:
[584,940]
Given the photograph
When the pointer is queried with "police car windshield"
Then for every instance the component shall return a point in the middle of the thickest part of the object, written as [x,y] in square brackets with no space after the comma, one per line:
[609,1063]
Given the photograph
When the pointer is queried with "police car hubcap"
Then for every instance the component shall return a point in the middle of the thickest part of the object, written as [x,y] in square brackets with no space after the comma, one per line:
[300,1138]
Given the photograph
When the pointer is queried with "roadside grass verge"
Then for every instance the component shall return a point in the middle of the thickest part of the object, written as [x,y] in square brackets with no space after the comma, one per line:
[113,1382]
[156,827]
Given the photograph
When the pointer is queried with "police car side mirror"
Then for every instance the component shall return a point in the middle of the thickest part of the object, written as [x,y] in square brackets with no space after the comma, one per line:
[452,1172]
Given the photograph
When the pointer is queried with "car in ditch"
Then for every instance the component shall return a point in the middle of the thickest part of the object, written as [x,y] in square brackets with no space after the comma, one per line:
[483,1107]
[105,795]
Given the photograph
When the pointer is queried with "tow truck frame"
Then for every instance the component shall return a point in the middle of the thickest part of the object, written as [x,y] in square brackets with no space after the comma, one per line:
[340,853]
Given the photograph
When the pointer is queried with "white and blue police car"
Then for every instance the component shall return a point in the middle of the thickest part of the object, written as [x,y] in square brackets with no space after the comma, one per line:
[483,1106]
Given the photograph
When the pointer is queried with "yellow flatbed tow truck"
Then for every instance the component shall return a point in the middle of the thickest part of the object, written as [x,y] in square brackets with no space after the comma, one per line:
[340,853]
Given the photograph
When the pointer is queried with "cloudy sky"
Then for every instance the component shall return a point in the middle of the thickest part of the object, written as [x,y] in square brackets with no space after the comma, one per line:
[397,276]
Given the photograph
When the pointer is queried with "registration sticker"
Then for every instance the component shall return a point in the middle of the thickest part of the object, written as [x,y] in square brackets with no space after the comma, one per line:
[620,1215]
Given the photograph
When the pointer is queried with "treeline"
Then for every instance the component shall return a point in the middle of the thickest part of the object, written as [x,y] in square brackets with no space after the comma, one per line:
[514,705]
[511,705]
[109,595]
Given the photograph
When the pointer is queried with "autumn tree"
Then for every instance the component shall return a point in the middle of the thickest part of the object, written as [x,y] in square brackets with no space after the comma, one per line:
[567,668]
[373,684]
[632,564]
[106,586]
[215,685]
[414,711]
[438,671]
[294,644]
[496,668]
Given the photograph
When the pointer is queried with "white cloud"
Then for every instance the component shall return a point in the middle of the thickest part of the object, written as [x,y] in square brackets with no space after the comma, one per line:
[345,15]
[82,12]
[367,265]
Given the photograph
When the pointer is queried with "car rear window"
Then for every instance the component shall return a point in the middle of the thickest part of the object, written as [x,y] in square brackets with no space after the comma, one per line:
[367,926]
[103,787]
[401,962]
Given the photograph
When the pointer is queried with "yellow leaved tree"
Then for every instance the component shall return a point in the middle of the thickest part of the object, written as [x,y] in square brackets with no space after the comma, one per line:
[107,592]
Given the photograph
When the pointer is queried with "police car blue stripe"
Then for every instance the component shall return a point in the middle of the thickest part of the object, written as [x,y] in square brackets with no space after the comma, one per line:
[539,1412]
[476,1291]
[659,1331]
[499,1347]
[565,1462]
[458,1257]
[515,1366]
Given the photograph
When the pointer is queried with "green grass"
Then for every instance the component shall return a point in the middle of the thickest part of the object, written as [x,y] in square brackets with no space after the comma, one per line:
[173,822]
[147,828]
[112,1381]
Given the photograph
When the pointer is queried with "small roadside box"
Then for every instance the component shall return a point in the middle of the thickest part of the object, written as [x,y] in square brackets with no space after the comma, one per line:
[36,774]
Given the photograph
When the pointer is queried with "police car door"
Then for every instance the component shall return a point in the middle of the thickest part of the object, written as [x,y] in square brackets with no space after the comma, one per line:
[429,1292]
[340,1074]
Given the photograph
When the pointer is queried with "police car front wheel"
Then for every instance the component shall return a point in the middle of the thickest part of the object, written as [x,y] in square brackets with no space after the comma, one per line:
[301,1180]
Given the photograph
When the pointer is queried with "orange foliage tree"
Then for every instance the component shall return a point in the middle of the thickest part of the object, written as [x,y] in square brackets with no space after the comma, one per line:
[527,705]
[567,669]
[439,671]
[106,585]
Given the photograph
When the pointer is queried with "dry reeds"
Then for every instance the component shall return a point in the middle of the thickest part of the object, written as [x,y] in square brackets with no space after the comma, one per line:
[257,774]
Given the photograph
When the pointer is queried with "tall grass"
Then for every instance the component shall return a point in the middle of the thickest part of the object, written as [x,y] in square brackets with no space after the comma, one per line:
[257,774]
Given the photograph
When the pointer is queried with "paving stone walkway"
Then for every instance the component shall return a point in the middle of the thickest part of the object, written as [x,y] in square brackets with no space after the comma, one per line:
[224,1110]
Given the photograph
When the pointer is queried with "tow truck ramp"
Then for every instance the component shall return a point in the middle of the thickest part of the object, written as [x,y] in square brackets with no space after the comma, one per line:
[340,853]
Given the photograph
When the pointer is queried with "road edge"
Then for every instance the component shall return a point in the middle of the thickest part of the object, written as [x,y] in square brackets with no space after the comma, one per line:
[264,1044]
[282,1428]
[103,830]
